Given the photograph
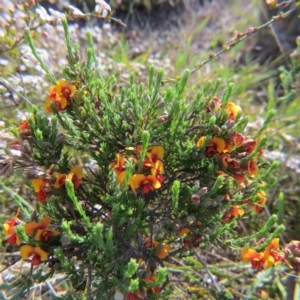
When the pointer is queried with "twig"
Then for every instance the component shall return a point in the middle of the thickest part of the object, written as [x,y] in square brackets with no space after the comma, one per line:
[208,271]
[19,40]
[89,282]
[86,16]
[238,38]
[12,89]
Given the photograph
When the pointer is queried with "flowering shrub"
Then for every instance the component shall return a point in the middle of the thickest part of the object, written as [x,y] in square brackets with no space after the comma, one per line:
[127,178]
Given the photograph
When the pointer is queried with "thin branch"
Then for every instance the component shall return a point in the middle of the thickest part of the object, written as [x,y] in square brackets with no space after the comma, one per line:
[238,38]
[12,89]
[211,276]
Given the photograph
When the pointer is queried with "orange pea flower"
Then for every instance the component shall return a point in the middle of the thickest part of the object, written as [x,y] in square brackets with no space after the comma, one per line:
[37,253]
[201,141]
[215,145]
[158,170]
[248,146]
[46,234]
[39,186]
[10,231]
[255,258]
[31,227]
[252,168]
[162,252]
[229,162]
[119,167]
[232,213]
[60,95]
[271,254]
[144,183]
[238,176]
[75,175]
[233,110]
[119,164]
[183,231]
[267,259]
[237,139]
[262,199]
[154,154]
[152,279]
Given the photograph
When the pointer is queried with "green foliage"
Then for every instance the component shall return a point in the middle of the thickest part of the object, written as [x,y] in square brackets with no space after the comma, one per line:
[163,174]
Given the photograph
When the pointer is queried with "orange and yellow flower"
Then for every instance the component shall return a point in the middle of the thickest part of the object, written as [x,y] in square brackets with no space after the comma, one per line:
[267,259]
[183,231]
[252,168]
[229,162]
[31,227]
[39,185]
[239,176]
[237,139]
[144,183]
[232,213]
[37,253]
[215,145]
[262,199]
[161,252]
[10,231]
[75,175]
[154,154]
[233,110]
[119,167]
[40,231]
[248,146]
[46,234]
[60,95]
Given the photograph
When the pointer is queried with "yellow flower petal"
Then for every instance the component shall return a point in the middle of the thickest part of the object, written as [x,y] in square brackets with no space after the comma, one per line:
[200,142]
[38,184]
[250,254]
[41,253]
[78,171]
[218,143]
[45,220]
[26,251]
[121,177]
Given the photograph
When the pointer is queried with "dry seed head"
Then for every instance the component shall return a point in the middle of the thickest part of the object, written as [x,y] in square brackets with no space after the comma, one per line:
[6,165]
[33,172]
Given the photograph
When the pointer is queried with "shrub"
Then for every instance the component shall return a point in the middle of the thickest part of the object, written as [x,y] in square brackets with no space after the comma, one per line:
[128,177]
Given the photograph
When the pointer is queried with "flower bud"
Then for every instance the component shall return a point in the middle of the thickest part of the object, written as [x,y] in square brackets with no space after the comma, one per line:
[216,129]
[160,103]
[229,124]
